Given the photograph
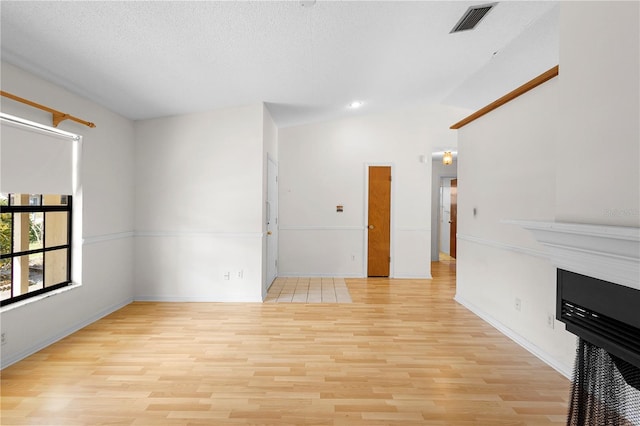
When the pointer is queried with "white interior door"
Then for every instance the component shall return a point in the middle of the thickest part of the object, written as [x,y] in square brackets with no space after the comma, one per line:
[272,221]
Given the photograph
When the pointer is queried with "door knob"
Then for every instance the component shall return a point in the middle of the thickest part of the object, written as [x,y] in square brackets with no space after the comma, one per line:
[268,232]
[371,226]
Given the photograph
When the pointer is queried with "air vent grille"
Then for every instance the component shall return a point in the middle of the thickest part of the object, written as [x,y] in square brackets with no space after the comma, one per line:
[472,17]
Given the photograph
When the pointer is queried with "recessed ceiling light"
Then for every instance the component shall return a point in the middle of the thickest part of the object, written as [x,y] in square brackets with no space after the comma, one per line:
[355,104]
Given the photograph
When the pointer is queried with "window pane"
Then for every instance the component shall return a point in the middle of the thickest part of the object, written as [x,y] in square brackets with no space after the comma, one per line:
[55,267]
[56,232]
[28,231]
[35,271]
[5,233]
[20,232]
[5,279]
[25,199]
[54,200]
[27,273]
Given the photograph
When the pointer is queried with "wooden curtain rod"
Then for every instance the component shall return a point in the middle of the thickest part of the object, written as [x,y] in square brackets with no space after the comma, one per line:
[58,116]
[547,75]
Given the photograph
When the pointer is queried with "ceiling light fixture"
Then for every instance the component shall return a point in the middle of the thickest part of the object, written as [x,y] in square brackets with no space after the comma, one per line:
[355,104]
[447,158]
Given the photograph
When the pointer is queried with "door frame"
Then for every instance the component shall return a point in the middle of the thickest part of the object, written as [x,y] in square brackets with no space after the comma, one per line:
[365,218]
[275,234]
[453,236]
[442,179]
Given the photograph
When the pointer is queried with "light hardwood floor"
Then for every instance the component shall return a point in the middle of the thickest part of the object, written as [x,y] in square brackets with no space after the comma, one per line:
[402,353]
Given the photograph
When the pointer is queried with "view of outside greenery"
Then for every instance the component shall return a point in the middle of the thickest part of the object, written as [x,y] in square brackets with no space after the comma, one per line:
[5,247]
[36,234]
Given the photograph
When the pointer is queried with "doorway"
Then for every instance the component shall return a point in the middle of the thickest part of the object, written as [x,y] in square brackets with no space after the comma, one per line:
[379,222]
[448,213]
[272,223]
[453,219]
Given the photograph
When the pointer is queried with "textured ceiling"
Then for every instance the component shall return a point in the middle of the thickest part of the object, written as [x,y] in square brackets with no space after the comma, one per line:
[152,59]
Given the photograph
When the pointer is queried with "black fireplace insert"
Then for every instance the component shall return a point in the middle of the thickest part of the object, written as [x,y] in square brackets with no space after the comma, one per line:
[606,318]
[601,312]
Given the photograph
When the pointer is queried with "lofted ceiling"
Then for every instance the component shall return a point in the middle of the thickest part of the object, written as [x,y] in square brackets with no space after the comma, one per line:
[306,61]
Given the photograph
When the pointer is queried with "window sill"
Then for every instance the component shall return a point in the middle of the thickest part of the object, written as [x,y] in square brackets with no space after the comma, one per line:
[25,302]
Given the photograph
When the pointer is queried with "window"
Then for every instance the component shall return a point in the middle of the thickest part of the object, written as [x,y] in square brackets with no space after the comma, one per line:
[39,171]
[35,237]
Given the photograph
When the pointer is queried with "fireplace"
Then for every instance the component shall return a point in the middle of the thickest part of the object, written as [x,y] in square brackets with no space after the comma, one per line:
[606,379]
[601,312]
[598,299]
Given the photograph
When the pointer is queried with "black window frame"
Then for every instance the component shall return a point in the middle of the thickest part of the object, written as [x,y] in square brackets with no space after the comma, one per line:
[13,209]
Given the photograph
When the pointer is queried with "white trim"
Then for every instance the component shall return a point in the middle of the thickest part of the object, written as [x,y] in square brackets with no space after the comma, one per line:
[412,277]
[32,125]
[271,252]
[13,358]
[196,233]
[94,239]
[502,246]
[319,274]
[565,370]
[321,228]
[39,297]
[199,299]
[610,253]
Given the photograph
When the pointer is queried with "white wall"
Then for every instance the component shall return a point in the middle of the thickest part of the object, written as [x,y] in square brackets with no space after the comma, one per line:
[324,165]
[545,156]
[599,181]
[107,219]
[199,206]
[505,171]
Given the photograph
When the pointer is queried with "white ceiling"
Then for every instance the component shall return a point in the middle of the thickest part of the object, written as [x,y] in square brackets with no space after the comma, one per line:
[152,59]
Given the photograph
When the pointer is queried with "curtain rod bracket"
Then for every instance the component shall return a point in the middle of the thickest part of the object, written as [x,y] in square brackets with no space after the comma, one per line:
[58,116]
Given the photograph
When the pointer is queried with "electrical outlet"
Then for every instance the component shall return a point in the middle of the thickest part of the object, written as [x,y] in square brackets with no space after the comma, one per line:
[518,304]
[227,276]
[3,336]
[550,321]
[241,273]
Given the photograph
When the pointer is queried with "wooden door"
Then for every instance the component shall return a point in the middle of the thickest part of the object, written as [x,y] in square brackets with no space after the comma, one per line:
[379,226]
[453,229]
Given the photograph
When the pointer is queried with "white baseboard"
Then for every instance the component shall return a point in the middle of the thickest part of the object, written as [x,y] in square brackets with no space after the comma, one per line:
[194,299]
[544,356]
[351,275]
[317,274]
[13,358]
[412,277]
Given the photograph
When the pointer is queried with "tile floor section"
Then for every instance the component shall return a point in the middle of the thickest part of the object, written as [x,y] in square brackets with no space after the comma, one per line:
[308,290]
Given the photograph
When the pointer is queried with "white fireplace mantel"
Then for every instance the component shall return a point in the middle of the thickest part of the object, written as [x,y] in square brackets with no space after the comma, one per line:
[610,253]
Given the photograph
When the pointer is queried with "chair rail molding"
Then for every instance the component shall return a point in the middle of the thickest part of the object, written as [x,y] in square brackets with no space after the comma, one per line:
[610,253]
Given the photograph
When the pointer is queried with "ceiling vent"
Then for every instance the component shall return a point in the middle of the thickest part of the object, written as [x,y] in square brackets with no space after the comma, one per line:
[472,17]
